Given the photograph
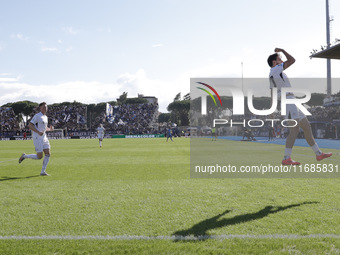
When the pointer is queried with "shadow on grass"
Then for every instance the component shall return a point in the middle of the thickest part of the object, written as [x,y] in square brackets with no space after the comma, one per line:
[201,229]
[6,178]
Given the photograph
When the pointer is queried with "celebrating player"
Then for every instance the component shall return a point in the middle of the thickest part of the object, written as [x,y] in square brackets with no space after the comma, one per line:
[100,134]
[38,125]
[279,79]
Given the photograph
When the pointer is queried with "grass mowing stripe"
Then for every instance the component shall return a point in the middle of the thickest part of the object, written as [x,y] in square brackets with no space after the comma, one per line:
[173,238]
[8,160]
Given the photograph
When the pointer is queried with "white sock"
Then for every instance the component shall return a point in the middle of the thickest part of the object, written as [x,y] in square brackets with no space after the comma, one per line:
[32,156]
[316,149]
[100,143]
[288,152]
[45,162]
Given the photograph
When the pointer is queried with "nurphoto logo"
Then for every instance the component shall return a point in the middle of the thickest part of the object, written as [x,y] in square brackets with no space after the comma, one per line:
[284,97]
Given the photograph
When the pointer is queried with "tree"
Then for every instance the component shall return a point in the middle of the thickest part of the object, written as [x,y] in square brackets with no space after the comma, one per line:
[74,103]
[179,112]
[316,99]
[259,103]
[22,107]
[164,117]
[112,103]
[136,100]
[122,98]
[177,97]
[93,111]
[186,96]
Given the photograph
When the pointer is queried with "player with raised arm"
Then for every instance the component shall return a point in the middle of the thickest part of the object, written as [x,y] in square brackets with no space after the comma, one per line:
[100,134]
[38,126]
[279,79]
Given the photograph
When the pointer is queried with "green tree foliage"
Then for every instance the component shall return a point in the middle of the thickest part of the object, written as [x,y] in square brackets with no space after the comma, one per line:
[179,111]
[178,97]
[316,99]
[75,103]
[122,98]
[96,108]
[22,107]
[164,117]
[136,100]
[186,96]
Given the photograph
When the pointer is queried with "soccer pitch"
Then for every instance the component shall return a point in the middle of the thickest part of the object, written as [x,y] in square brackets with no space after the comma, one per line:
[133,196]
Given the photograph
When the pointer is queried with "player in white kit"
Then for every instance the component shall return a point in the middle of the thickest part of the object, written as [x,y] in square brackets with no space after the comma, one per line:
[38,125]
[279,79]
[100,134]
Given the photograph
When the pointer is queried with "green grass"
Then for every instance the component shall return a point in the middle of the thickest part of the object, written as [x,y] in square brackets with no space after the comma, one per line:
[143,187]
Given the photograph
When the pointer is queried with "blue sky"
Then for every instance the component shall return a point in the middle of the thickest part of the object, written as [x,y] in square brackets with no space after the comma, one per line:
[92,51]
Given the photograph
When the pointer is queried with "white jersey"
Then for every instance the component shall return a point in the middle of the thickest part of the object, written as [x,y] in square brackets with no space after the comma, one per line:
[40,122]
[100,130]
[278,78]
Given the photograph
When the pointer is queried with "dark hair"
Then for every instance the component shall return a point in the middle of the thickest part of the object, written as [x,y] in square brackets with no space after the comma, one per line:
[41,104]
[271,58]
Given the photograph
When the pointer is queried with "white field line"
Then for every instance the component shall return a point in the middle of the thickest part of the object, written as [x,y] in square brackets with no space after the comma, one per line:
[171,238]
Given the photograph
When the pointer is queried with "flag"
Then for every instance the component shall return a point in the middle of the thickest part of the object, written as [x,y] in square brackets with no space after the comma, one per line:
[109,113]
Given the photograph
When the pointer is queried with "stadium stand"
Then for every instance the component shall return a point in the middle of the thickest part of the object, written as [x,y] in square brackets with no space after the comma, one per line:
[325,113]
[9,123]
[73,118]
[131,119]
[68,116]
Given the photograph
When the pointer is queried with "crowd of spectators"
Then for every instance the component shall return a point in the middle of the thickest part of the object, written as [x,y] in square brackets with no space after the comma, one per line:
[66,116]
[138,119]
[8,120]
[125,119]
[129,119]
[324,113]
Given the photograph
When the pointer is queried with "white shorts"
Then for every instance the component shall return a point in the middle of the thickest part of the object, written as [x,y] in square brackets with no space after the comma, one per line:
[100,136]
[41,143]
[292,112]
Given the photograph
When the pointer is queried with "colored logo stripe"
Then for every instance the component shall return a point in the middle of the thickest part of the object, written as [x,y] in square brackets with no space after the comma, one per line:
[218,96]
[209,94]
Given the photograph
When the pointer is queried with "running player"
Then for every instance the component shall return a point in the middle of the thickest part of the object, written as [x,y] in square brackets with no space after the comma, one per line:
[279,79]
[38,125]
[100,134]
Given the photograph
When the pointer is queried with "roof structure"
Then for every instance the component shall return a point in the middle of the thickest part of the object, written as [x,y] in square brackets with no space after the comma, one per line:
[330,53]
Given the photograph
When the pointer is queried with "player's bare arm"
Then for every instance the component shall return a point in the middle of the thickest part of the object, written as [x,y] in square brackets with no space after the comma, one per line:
[50,128]
[290,59]
[34,129]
